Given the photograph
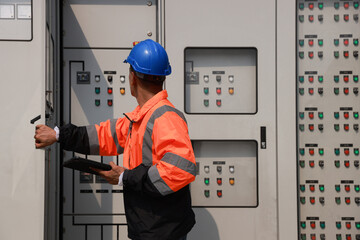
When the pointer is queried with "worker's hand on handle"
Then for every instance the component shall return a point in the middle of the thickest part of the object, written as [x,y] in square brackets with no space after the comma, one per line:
[113,175]
[44,136]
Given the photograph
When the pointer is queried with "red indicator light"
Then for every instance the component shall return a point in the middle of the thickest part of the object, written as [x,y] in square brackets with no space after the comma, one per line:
[311,91]
[347,188]
[347,164]
[312,200]
[218,103]
[311,151]
[346,115]
[346,91]
[346,78]
[312,189]
[311,54]
[311,18]
[311,42]
[311,127]
[311,115]
[346,127]
[348,237]
[219,181]
[311,6]
[346,5]
[346,151]
[110,102]
[346,17]
[313,237]
[110,90]
[311,79]
[346,42]
[348,225]
[219,193]
[312,164]
[346,54]
[313,225]
[218,91]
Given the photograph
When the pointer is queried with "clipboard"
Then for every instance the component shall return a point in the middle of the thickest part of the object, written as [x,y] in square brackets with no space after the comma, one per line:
[83,165]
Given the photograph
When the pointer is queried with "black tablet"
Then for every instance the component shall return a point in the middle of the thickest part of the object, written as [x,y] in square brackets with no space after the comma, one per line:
[83,165]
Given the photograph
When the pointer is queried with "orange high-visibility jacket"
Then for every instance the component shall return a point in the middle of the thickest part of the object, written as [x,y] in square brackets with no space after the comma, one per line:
[156,136]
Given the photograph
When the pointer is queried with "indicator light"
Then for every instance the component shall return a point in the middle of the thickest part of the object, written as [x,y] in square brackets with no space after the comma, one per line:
[336,42]
[311,151]
[311,18]
[336,115]
[302,200]
[303,225]
[218,91]
[311,55]
[303,236]
[336,127]
[311,79]
[320,91]
[218,79]
[301,115]
[346,42]
[206,102]
[311,164]
[322,225]
[357,200]
[301,18]
[356,127]
[321,151]
[346,17]
[302,188]
[321,18]
[320,42]
[347,164]
[347,188]
[338,202]
[301,43]
[356,78]
[321,163]
[346,127]
[109,90]
[320,54]
[337,151]
[336,54]
[311,115]
[219,193]
[312,188]
[232,181]
[311,6]
[301,6]
[311,91]
[337,188]
[356,54]
[356,41]
[206,169]
[321,79]
[97,78]
[110,102]
[110,78]
[312,225]
[321,5]
[321,188]
[219,169]
[346,151]
[356,5]
[97,90]
[356,151]
[302,151]
[313,236]
[218,102]
[122,79]
[97,102]
[346,115]
[206,78]
[311,42]
[219,181]
[336,5]
[357,224]
[231,169]
[346,5]
[356,90]
[336,79]
[311,127]
[206,181]
[122,91]
[321,127]
[302,164]
[301,55]
[301,127]
[346,78]
[348,237]
[337,163]
[348,225]
[346,54]
[207,193]
[312,200]
[346,91]
[347,200]
[338,225]
[356,164]
[231,91]
[321,115]
[301,79]
[336,91]
[336,17]
[231,78]
[206,90]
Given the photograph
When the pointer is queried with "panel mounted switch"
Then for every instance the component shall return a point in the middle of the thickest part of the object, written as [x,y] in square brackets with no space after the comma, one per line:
[83,77]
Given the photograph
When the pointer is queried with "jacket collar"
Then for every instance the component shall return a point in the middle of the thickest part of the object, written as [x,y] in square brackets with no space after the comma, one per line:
[139,113]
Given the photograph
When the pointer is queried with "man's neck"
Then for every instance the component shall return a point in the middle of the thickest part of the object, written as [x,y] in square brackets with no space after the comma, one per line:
[144,96]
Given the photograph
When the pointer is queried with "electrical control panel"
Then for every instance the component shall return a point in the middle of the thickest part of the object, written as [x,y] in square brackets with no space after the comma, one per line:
[328,119]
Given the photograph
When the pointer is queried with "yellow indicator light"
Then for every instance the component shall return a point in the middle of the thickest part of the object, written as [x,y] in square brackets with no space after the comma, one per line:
[232,181]
[122,91]
[231,91]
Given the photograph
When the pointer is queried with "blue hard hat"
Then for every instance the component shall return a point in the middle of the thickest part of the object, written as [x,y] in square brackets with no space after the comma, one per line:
[149,57]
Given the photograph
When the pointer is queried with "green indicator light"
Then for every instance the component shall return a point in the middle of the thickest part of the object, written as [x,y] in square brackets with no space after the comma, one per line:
[337,164]
[302,151]
[321,78]
[303,237]
[206,90]
[356,78]
[301,79]
[337,151]
[338,202]
[301,127]
[356,41]
[321,151]
[301,18]
[356,115]
[336,79]
[322,225]
[301,91]
[336,54]
[338,237]
[301,55]
[336,42]
[321,115]
[336,127]
[357,225]
[321,5]
[207,193]
[336,115]
[357,188]
[302,188]
[322,188]
[338,225]
[301,115]
[97,102]
[336,18]
[302,164]
[336,91]
[206,180]
[321,42]
[97,90]
[356,151]
[301,43]
[336,5]
[303,225]
[356,5]
[302,200]
[301,6]
[206,102]
[337,188]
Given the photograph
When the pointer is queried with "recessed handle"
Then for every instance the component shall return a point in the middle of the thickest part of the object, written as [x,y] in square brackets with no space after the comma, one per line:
[32,121]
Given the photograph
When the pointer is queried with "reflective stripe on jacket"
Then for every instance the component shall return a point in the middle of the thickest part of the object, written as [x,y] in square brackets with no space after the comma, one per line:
[156,136]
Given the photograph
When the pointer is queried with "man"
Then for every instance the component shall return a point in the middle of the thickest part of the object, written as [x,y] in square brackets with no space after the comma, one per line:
[158,158]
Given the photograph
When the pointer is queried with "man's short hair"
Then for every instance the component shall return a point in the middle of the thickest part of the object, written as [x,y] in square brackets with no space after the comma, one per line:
[152,79]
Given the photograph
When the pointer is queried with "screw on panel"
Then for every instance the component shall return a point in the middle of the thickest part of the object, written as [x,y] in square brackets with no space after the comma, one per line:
[149,3]
[149,34]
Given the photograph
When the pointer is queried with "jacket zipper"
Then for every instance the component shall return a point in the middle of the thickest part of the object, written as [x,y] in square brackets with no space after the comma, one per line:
[130,130]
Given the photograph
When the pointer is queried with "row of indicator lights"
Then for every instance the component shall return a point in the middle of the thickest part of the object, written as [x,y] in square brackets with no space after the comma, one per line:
[346,17]
[321,115]
[218,193]
[320,54]
[322,237]
[336,42]
[322,151]
[322,188]
[320,91]
[322,164]
[321,127]
[109,78]
[311,6]
[207,102]
[337,200]
[218,90]
[346,79]
[219,181]
[218,78]
[219,169]
[98,102]
[110,90]
[323,225]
